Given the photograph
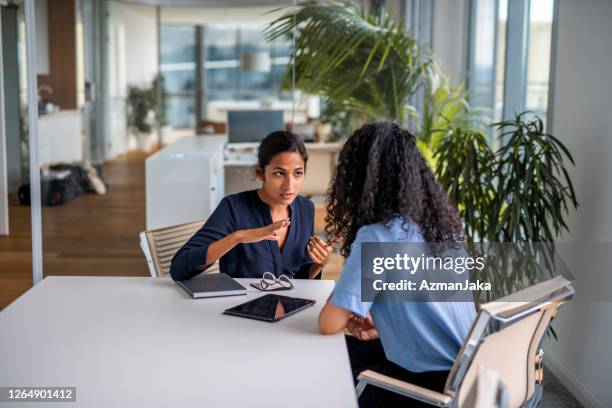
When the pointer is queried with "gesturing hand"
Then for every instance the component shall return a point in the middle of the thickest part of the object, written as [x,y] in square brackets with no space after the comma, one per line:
[319,250]
[269,232]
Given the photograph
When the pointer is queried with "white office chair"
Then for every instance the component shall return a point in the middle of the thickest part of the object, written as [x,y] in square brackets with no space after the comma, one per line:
[160,245]
[489,391]
[506,337]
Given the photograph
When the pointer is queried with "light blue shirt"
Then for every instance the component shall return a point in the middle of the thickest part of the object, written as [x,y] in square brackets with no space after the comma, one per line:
[418,336]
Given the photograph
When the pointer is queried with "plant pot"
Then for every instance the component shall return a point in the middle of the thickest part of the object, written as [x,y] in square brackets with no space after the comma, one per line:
[166,134]
[141,141]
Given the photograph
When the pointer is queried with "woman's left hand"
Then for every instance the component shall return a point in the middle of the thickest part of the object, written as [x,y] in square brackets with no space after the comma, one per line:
[319,250]
[362,328]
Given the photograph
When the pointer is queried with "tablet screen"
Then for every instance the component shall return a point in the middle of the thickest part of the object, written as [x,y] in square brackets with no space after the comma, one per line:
[270,307]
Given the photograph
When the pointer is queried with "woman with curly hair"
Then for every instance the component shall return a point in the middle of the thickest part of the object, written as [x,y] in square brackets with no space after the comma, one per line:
[383,191]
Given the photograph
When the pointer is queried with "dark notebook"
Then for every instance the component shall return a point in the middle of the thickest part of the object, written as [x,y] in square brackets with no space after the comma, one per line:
[212,285]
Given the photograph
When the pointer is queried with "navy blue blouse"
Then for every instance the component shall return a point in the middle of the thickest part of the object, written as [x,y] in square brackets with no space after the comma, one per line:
[244,211]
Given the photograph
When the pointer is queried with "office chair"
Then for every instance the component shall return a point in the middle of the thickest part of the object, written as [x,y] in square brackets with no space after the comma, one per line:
[488,390]
[160,245]
[506,337]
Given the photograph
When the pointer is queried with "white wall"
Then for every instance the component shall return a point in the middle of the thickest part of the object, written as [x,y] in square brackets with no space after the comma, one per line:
[132,52]
[582,109]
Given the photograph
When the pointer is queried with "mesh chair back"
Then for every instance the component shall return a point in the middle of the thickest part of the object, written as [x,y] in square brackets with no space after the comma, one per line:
[165,242]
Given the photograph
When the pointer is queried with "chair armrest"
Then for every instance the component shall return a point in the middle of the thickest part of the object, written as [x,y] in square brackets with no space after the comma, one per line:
[146,250]
[406,389]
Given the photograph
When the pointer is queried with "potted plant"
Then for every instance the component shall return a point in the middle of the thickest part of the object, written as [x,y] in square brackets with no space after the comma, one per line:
[519,193]
[161,122]
[366,68]
[141,116]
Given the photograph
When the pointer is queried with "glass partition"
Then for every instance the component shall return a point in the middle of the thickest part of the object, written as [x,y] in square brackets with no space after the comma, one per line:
[130,95]
[120,119]
[15,217]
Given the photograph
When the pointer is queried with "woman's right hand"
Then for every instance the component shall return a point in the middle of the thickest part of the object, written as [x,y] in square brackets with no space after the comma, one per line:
[269,232]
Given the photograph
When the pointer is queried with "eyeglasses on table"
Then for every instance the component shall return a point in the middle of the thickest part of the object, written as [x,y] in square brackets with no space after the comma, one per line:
[269,282]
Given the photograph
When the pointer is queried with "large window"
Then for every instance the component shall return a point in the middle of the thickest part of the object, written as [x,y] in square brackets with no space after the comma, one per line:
[509,57]
[540,40]
[225,80]
[221,65]
[484,76]
[178,67]
[217,68]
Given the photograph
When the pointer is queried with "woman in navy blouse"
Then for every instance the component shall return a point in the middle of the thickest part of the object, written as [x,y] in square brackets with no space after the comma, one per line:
[265,230]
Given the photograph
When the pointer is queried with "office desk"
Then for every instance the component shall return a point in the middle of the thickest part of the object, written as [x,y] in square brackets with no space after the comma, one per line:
[184,181]
[141,342]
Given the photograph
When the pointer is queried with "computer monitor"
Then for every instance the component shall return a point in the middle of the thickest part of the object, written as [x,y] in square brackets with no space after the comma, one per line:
[246,126]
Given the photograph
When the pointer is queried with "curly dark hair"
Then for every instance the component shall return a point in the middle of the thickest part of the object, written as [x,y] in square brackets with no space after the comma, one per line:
[382,174]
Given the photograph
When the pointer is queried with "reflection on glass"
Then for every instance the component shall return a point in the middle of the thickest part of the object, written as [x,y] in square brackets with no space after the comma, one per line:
[538,69]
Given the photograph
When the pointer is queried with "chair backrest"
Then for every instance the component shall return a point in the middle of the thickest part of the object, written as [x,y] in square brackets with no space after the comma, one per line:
[506,337]
[488,391]
[160,245]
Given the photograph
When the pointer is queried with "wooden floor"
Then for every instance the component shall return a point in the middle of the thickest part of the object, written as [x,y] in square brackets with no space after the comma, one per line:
[91,235]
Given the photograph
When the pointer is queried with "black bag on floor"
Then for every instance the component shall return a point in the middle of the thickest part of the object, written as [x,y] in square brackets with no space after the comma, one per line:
[53,191]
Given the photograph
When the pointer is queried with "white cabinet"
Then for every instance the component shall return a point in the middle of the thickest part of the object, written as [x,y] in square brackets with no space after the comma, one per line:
[60,137]
[184,181]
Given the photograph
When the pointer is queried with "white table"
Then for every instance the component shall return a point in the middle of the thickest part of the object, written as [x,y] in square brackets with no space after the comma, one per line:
[141,342]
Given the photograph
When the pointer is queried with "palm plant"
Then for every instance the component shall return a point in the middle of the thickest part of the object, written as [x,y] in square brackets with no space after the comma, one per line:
[445,108]
[367,67]
[140,106]
[464,166]
[359,62]
[519,194]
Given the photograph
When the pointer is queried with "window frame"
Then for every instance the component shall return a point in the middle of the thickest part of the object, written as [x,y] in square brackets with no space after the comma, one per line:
[516,57]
